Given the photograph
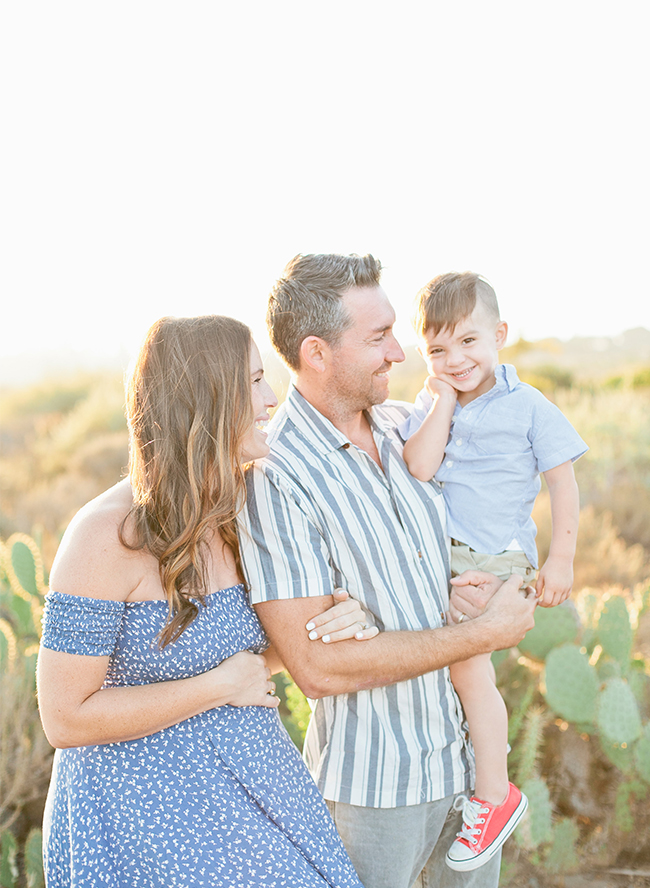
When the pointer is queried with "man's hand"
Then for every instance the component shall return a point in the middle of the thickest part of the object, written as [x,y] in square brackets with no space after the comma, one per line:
[471,592]
[508,612]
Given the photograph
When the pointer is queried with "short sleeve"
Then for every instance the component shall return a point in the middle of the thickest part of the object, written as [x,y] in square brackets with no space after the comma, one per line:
[284,553]
[419,412]
[73,624]
[553,438]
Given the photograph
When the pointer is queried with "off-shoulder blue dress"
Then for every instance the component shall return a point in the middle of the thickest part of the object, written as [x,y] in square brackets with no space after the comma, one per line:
[222,799]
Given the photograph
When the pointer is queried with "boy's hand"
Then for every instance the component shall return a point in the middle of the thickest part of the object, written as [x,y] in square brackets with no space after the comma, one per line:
[554,582]
[437,388]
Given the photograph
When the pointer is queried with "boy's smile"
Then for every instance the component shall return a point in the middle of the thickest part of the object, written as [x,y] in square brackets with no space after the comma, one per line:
[466,356]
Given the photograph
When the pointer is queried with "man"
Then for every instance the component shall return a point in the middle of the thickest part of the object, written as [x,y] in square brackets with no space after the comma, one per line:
[334,505]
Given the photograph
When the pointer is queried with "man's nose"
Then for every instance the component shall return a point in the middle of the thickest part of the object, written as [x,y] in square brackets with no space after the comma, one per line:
[394,352]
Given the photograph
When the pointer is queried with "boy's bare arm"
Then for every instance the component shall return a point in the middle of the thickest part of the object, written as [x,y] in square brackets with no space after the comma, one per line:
[556,576]
[425,449]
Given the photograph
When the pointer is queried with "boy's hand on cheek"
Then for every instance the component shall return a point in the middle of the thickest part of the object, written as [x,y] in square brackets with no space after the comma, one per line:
[439,389]
[554,582]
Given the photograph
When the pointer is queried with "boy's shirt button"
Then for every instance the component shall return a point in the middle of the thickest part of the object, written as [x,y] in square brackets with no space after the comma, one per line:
[459,441]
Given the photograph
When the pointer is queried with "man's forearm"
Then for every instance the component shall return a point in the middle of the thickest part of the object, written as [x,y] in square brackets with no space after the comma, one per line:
[322,670]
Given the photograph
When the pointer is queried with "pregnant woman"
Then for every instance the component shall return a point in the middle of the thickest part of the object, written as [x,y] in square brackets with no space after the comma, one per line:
[172,766]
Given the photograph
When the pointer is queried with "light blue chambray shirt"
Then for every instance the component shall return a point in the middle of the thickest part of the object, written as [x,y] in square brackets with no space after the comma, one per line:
[498,445]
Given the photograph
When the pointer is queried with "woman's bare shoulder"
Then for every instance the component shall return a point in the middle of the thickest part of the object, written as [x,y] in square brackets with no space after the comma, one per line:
[91,559]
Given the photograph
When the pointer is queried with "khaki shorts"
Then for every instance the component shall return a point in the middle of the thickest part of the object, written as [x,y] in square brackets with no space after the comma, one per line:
[502,565]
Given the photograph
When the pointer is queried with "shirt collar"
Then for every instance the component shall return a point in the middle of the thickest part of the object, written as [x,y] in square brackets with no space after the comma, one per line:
[318,430]
[508,374]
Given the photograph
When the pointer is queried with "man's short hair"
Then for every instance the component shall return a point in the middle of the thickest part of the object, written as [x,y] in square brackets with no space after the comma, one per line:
[449,298]
[306,300]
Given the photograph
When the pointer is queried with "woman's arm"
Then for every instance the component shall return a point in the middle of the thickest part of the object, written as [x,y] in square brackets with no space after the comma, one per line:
[75,711]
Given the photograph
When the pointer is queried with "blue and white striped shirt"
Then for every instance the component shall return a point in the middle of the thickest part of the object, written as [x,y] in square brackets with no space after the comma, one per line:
[321,514]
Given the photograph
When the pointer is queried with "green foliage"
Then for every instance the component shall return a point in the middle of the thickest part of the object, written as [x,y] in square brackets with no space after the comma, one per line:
[294,708]
[641,379]
[619,719]
[571,684]
[623,816]
[553,626]
[8,864]
[518,715]
[561,856]
[34,859]
[26,755]
[536,829]
[549,378]
[530,743]
[642,754]
[614,630]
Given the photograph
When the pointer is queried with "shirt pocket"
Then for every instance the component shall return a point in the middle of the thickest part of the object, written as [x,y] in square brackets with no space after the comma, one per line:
[508,437]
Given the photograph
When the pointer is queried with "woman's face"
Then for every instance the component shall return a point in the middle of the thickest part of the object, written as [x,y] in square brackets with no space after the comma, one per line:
[254,444]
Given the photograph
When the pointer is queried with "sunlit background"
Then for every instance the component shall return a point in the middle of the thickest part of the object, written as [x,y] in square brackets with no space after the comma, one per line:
[170,158]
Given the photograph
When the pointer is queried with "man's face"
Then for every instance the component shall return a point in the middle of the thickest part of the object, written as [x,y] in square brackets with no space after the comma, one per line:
[363,358]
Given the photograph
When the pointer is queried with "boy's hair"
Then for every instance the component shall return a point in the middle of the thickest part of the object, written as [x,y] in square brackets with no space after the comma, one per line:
[449,298]
[306,300]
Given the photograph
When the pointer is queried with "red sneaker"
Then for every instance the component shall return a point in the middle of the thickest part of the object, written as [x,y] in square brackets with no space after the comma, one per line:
[485,829]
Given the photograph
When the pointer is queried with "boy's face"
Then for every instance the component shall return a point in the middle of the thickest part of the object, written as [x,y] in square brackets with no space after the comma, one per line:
[466,356]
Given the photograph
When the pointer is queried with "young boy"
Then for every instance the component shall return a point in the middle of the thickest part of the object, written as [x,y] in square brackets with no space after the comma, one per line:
[486,437]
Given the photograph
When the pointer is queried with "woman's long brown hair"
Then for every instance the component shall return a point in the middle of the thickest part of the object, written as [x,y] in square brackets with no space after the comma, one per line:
[188,409]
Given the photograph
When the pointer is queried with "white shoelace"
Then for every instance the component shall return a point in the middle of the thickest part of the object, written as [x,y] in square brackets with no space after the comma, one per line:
[471,811]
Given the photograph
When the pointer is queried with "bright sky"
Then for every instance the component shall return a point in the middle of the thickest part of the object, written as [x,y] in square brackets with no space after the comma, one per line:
[171,157]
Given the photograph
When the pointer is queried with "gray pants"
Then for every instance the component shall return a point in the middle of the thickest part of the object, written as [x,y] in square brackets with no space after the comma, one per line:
[405,847]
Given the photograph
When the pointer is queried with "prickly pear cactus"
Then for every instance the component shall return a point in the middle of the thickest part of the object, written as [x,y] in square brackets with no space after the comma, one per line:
[529,743]
[614,630]
[536,828]
[571,684]
[22,565]
[8,853]
[620,755]
[561,857]
[618,715]
[553,626]
[642,754]
[33,859]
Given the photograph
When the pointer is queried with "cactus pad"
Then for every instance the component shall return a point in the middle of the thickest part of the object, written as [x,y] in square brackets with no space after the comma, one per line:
[553,626]
[618,713]
[571,684]
[536,828]
[614,629]
[561,856]
[642,754]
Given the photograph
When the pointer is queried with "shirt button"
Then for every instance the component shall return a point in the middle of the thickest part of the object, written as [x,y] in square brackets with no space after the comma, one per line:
[449,463]
[459,441]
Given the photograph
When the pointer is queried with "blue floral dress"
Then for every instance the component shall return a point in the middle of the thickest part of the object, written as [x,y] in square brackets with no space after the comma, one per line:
[222,799]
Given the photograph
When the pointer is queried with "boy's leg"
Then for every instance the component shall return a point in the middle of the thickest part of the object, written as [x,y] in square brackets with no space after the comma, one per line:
[436,873]
[487,718]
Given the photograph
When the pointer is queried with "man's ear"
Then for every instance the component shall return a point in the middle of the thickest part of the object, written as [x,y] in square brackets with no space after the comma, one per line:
[501,334]
[314,353]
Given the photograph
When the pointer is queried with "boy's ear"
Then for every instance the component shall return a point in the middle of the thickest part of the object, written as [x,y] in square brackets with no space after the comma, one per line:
[501,334]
